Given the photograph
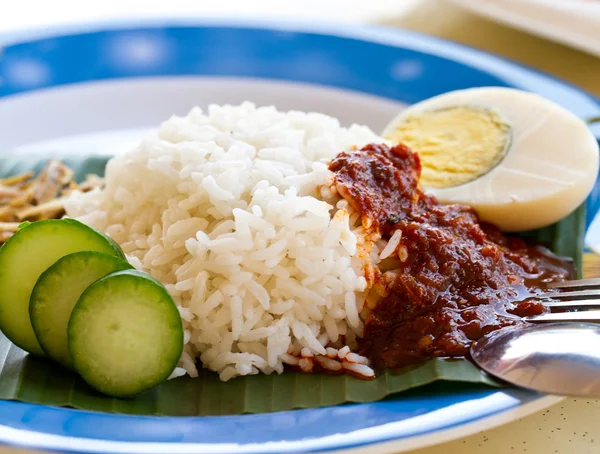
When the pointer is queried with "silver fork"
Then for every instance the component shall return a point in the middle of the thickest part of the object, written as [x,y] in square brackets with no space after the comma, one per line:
[582,296]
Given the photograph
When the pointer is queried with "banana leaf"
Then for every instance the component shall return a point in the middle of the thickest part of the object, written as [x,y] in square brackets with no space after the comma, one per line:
[35,380]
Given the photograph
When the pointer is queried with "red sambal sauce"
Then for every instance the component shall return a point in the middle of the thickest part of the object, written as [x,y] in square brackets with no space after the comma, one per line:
[459,279]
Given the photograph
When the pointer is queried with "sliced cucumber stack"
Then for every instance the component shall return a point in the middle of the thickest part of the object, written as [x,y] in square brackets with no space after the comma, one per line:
[25,256]
[125,334]
[66,290]
[56,292]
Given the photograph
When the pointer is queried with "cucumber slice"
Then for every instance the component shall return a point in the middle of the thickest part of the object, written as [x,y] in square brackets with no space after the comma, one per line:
[56,292]
[118,252]
[25,256]
[125,334]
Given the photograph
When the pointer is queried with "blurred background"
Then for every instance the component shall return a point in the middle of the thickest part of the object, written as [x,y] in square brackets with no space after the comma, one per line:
[560,37]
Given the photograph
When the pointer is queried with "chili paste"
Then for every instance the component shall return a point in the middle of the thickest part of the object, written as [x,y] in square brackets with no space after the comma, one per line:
[458,279]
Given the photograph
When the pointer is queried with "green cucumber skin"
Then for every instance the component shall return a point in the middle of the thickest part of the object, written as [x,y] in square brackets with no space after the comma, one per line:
[125,334]
[118,251]
[56,292]
[25,256]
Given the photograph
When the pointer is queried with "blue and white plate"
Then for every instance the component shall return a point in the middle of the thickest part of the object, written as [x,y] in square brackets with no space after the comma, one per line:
[98,89]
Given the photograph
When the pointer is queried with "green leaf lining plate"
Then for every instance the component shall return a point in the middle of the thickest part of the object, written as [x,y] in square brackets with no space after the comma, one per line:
[34,380]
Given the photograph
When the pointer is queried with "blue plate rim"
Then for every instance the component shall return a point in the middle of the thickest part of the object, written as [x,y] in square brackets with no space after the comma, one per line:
[382,34]
[467,56]
[418,440]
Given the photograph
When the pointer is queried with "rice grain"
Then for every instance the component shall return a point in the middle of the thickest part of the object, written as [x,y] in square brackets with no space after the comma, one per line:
[234,211]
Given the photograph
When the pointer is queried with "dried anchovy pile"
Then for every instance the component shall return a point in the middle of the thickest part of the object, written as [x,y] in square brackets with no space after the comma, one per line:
[27,198]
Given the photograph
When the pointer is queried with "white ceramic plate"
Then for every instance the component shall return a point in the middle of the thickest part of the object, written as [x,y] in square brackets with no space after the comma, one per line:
[96,90]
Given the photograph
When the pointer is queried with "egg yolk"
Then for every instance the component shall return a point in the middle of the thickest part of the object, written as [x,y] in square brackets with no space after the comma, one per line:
[456,145]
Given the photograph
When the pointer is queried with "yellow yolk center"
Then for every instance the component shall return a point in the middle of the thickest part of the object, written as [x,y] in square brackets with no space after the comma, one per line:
[456,145]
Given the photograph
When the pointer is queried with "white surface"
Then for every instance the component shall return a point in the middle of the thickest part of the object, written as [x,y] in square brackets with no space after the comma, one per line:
[572,22]
[17,15]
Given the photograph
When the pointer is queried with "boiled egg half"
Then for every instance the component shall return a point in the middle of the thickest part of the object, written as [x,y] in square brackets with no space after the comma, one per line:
[521,161]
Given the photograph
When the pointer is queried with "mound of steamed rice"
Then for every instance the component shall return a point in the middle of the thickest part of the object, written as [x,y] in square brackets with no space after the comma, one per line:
[233,210]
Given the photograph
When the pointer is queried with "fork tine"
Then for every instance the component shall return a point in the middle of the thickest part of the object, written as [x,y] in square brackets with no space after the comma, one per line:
[574,304]
[583,295]
[585,316]
[578,284]
[575,294]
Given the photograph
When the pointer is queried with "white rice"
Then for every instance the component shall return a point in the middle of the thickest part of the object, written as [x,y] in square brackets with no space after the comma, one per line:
[225,208]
